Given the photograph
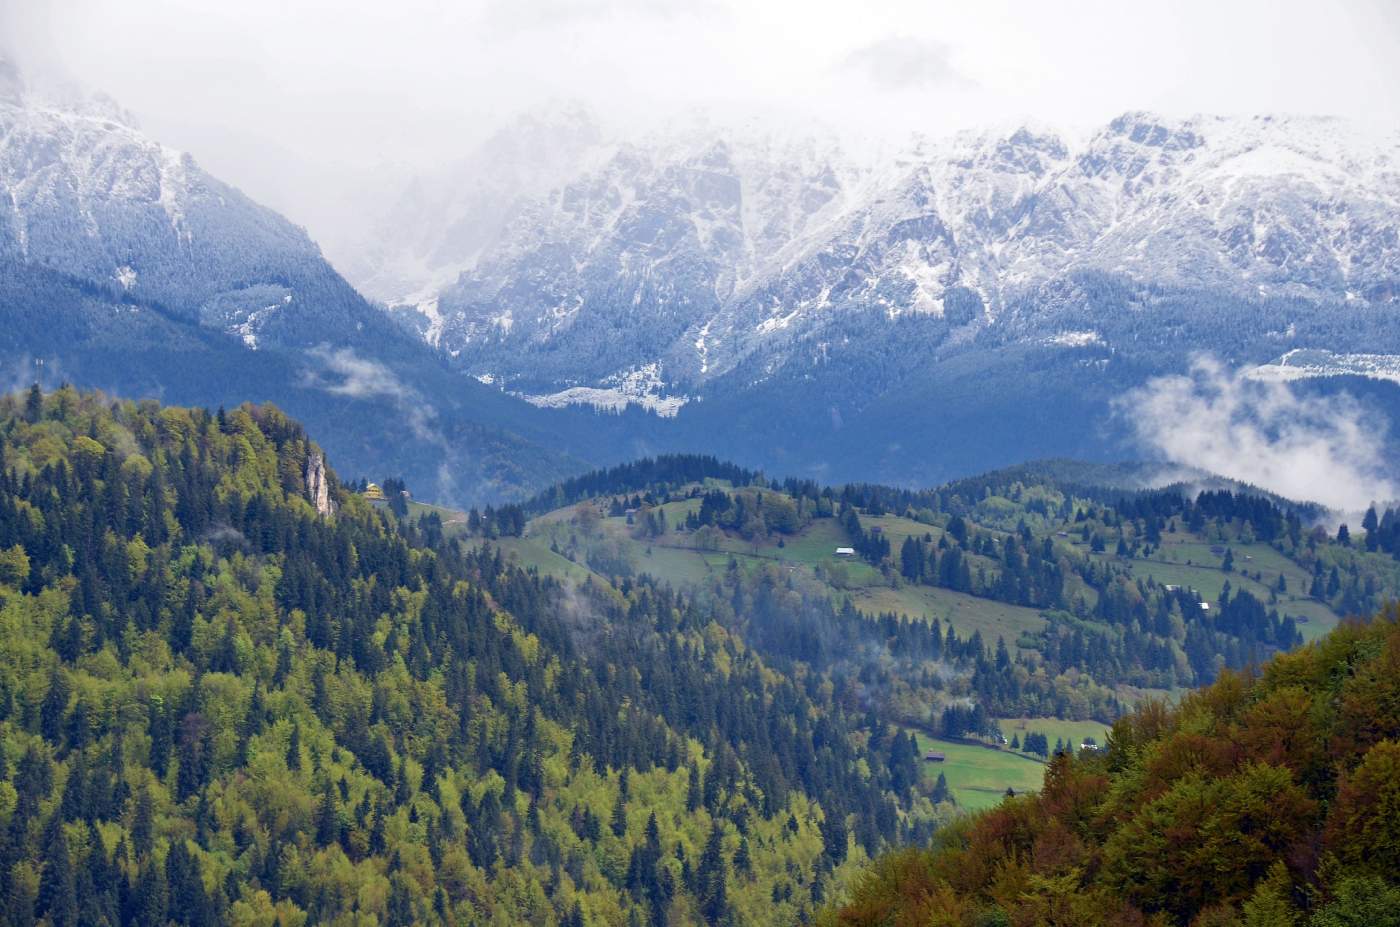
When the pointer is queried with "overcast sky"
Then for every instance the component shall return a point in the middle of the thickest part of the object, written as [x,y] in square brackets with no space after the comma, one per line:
[290,98]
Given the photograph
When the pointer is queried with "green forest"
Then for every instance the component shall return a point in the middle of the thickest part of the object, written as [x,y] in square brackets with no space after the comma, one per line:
[219,705]
[235,689]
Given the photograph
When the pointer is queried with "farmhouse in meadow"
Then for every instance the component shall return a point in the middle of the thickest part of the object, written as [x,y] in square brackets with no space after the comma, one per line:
[845,551]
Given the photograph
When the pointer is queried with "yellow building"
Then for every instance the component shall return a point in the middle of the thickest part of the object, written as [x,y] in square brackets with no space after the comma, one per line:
[374,493]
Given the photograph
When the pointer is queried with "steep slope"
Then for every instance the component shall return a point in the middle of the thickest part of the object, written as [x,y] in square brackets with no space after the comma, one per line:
[88,193]
[221,703]
[623,266]
[128,267]
[439,223]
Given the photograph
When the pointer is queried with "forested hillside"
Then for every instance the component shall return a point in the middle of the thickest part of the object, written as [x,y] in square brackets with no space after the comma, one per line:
[232,689]
[222,703]
[1264,800]
[1050,599]
[95,334]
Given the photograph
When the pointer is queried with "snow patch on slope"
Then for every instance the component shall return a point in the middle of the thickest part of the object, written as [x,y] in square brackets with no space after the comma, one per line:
[1310,363]
[642,387]
[1075,339]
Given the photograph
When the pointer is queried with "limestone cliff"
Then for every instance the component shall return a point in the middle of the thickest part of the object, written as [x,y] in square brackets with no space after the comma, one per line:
[318,488]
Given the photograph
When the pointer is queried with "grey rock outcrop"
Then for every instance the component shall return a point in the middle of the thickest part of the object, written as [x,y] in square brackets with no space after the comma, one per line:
[318,488]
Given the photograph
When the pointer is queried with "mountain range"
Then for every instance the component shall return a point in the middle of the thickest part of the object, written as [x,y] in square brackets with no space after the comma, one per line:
[908,316]
[810,309]
[129,268]
[683,256]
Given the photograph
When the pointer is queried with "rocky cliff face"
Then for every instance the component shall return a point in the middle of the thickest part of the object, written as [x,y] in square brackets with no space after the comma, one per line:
[318,488]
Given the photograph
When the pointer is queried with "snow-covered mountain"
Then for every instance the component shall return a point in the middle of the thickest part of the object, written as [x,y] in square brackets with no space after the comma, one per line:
[772,297]
[125,266]
[686,255]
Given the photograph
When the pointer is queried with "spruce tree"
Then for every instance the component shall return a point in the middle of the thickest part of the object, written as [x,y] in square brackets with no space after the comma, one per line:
[619,815]
[34,405]
[711,877]
[294,748]
[692,792]
[327,818]
[58,898]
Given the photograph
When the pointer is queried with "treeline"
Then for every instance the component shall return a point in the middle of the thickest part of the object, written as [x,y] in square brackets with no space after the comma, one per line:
[755,513]
[1135,632]
[1382,533]
[666,470]
[1267,520]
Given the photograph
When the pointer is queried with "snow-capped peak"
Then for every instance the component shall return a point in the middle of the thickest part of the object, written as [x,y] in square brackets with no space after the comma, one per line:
[697,246]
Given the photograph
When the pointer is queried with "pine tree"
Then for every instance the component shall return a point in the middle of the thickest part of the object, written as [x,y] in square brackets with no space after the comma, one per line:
[58,898]
[692,792]
[400,913]
[619,815]
[152,896]
[294,748]
[743,860]
[834,837]
[143,824]
[940,790]
[34,405]
[186,887]
[327,818]
[711,877]
[54,707]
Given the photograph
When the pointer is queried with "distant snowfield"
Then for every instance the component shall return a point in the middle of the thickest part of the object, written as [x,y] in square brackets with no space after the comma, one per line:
[640,387]
[1314,363]
[1083,339]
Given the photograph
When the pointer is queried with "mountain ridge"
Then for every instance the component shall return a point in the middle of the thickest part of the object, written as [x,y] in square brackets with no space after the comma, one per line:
[128,267]
[1251,207]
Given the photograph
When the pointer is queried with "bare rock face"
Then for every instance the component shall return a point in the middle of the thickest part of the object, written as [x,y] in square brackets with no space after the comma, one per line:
[318,488]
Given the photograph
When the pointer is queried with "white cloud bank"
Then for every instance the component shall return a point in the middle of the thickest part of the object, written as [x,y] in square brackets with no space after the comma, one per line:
[1322,449]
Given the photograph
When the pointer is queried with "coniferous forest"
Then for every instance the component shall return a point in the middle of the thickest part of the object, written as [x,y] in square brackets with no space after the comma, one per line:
[234,689]
[219,705]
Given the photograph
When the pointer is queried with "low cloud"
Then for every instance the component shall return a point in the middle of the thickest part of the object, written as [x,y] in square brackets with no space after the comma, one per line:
[224,534]
[363,378]
[342,372]
[359,377]
[1322,449]
[905,63]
